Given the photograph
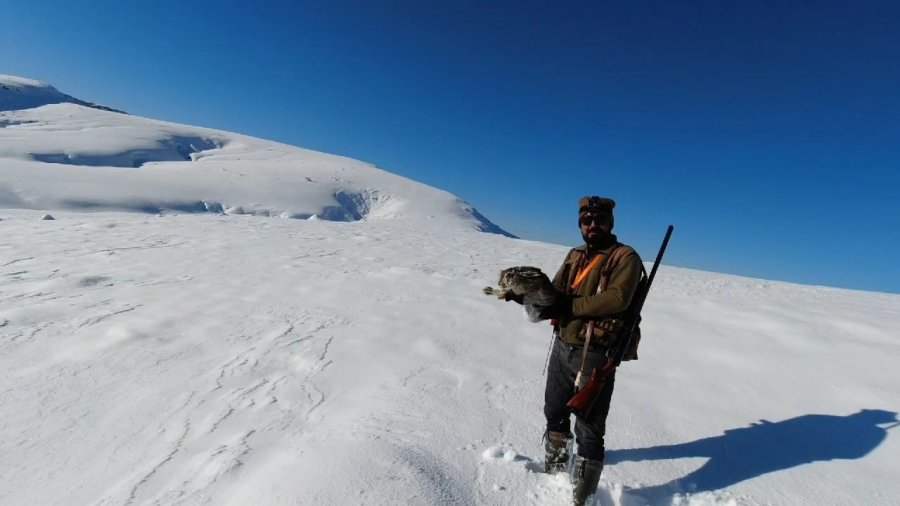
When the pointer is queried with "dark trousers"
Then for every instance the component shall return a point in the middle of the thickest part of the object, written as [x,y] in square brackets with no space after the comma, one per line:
[565,360]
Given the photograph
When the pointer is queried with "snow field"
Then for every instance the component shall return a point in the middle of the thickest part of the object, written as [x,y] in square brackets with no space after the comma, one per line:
[211,359]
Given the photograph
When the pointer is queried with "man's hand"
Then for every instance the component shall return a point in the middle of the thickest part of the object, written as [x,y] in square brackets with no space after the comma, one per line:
[560,309]
[510,296]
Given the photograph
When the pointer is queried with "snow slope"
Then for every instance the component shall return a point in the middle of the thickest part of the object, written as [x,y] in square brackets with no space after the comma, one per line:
[70,156]
[211,358]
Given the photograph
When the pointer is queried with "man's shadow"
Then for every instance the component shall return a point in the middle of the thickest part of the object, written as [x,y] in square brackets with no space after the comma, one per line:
[766,447]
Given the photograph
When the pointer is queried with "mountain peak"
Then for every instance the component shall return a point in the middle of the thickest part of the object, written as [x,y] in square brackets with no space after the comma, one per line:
[22,82]
[18,93]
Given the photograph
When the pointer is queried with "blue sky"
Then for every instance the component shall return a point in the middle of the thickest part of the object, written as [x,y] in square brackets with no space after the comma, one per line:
[767,132]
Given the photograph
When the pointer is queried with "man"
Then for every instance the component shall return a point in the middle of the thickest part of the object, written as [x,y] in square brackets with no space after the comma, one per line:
[596,283]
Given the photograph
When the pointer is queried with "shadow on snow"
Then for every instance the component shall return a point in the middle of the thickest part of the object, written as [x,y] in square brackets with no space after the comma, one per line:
[765,447]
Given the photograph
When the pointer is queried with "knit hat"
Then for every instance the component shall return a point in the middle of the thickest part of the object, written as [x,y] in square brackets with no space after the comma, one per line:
[595,203]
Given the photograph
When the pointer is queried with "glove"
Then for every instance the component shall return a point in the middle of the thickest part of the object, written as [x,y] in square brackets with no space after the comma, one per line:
[518,299]
[561,309]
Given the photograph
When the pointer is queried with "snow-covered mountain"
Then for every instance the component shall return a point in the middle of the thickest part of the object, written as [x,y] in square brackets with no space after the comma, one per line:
[17,93]
[58,152]
[226,359]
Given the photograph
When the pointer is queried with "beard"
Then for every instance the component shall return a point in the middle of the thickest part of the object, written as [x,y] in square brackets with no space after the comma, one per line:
[598,238]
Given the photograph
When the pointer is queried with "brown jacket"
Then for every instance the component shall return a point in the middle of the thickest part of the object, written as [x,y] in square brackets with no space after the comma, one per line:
[588,304]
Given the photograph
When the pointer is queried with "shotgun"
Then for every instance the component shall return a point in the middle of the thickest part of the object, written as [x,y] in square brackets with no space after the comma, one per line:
[582,403]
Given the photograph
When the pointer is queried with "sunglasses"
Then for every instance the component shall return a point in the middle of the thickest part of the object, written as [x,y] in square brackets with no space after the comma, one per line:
[587,219]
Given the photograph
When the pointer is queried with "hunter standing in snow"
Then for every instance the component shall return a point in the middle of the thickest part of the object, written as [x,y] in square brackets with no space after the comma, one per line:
[596,284]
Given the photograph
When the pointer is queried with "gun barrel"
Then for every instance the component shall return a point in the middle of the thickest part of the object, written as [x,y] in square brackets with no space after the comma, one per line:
[659,256]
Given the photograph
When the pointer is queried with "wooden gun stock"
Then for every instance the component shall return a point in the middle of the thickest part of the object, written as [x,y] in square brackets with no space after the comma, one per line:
[582,403]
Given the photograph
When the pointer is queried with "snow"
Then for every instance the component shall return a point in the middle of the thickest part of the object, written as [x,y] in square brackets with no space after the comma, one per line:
[175,357]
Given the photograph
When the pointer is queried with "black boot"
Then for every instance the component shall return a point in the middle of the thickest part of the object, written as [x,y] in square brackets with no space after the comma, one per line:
[556,449]
[585,478]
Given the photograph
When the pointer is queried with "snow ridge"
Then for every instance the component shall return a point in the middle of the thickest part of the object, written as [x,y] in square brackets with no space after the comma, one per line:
[171,149]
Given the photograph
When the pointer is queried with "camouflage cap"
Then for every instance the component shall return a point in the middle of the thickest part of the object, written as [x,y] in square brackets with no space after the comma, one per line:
[595,203]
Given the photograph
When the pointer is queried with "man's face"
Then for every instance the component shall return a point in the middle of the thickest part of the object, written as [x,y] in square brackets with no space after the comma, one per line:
[595,225]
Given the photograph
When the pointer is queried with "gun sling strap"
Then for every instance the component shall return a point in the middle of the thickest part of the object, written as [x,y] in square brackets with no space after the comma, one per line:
[611,262]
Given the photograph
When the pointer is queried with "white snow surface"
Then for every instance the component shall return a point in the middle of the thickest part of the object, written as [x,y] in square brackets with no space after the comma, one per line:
[226,359]
[213,359]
